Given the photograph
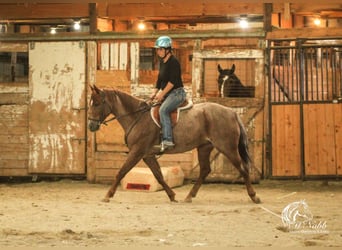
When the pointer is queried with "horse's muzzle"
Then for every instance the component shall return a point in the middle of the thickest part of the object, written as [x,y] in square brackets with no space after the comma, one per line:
[93,126]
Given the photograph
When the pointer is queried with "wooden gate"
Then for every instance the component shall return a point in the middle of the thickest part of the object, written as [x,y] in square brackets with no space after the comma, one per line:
[305,93]
[57,107]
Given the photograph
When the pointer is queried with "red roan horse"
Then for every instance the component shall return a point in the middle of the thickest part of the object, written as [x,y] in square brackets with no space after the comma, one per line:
[205,126]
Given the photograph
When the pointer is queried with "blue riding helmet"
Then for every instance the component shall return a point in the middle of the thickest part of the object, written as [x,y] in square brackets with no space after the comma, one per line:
[163,42]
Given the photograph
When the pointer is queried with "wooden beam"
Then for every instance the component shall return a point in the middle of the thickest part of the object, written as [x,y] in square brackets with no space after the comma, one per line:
[181,1]
[287,11]
[268,7]
[92,18]
[169,10]
[300,8]
[304,33]
[176,34]
[41,11]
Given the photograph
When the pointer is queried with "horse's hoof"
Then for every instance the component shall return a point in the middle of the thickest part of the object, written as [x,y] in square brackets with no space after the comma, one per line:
[174,201]
[105,200]
[188,200]
[256,200]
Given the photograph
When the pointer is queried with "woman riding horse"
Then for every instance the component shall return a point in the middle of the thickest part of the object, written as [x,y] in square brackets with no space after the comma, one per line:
[169,89]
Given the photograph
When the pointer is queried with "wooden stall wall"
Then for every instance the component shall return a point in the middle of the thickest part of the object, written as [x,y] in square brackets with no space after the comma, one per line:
[286,145]
[251,110]
[305,108]
[57,108]
[323,139]
[322,145]
[14,143]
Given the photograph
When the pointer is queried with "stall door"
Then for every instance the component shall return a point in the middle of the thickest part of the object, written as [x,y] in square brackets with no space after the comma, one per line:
[57,107]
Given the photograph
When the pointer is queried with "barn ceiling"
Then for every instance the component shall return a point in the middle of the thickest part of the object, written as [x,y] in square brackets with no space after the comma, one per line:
[178,11]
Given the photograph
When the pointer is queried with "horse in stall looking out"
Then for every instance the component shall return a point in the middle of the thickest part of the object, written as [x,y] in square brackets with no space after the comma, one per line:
[229,84]
[205,126]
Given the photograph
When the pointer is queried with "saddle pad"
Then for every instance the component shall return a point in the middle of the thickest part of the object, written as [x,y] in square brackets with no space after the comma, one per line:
[187,104]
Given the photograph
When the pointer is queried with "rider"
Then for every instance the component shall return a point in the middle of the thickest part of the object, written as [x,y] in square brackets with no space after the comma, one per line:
[168,89]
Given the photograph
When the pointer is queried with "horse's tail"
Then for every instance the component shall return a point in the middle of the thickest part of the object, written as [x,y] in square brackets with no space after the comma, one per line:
[243,143]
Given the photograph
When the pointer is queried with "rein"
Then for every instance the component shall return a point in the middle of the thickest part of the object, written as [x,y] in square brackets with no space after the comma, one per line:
[139,110]
[146,108]
[104,122]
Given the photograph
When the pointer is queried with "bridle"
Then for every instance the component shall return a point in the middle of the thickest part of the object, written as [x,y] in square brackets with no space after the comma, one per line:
[102,120]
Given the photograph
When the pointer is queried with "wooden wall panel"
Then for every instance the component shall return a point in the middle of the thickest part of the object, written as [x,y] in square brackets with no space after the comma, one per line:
[320,143]
[14,147]
[57,108]
[285,140]
[337,109]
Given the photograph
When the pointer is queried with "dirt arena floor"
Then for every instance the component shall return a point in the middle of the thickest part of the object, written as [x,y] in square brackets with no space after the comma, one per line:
[70,213]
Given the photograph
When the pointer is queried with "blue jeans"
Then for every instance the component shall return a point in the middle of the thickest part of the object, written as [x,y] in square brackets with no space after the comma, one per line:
[172,101]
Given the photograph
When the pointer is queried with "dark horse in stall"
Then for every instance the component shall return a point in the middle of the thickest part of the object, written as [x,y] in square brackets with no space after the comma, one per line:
[205,126]
[229,84]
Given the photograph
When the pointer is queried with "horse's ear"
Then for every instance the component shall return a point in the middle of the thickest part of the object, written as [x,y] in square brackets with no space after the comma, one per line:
[233,68]
[219,68]
[95,89]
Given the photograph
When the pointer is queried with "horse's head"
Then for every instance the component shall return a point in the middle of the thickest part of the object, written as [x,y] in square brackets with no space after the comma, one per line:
[98,109]
[226,72]
[224,75]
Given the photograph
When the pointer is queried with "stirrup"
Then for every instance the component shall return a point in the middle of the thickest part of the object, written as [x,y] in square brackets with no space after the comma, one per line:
[164,146]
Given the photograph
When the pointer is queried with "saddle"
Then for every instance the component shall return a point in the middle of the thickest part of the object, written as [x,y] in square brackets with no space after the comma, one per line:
[187,104]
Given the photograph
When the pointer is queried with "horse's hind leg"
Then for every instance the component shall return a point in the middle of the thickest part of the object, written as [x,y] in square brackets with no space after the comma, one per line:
[204,163]
[153,164]
[250,190]
[244,172]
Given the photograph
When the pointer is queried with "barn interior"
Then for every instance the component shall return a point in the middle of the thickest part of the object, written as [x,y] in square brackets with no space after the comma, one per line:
[288,53]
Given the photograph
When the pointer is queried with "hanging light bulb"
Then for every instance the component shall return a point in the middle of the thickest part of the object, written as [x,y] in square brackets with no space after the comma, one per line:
[53,30]
[141,25]
[77,25]
[317,21]
[243,22]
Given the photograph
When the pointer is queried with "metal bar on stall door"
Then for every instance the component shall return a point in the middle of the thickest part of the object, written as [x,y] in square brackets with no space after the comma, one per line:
[292,75]
[340,71]
[322,73]
[306,74]
[311,73]
[301,111]
[333,73]
[327,72]
[282,83]
[316,74]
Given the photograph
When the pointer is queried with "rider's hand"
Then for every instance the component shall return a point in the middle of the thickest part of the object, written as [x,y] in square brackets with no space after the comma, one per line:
[159,97]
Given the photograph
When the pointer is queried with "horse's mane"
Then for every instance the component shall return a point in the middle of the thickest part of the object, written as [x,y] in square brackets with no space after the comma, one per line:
[128,99]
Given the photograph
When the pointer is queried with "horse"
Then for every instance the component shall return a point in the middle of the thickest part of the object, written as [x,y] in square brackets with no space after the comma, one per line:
[205,126]
[229,84]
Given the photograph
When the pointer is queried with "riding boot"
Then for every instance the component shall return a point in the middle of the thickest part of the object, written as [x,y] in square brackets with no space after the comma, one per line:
[164,146]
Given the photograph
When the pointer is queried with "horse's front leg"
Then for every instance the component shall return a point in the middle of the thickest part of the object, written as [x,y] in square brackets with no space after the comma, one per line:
[132,159]
[204,163]
[153,164]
